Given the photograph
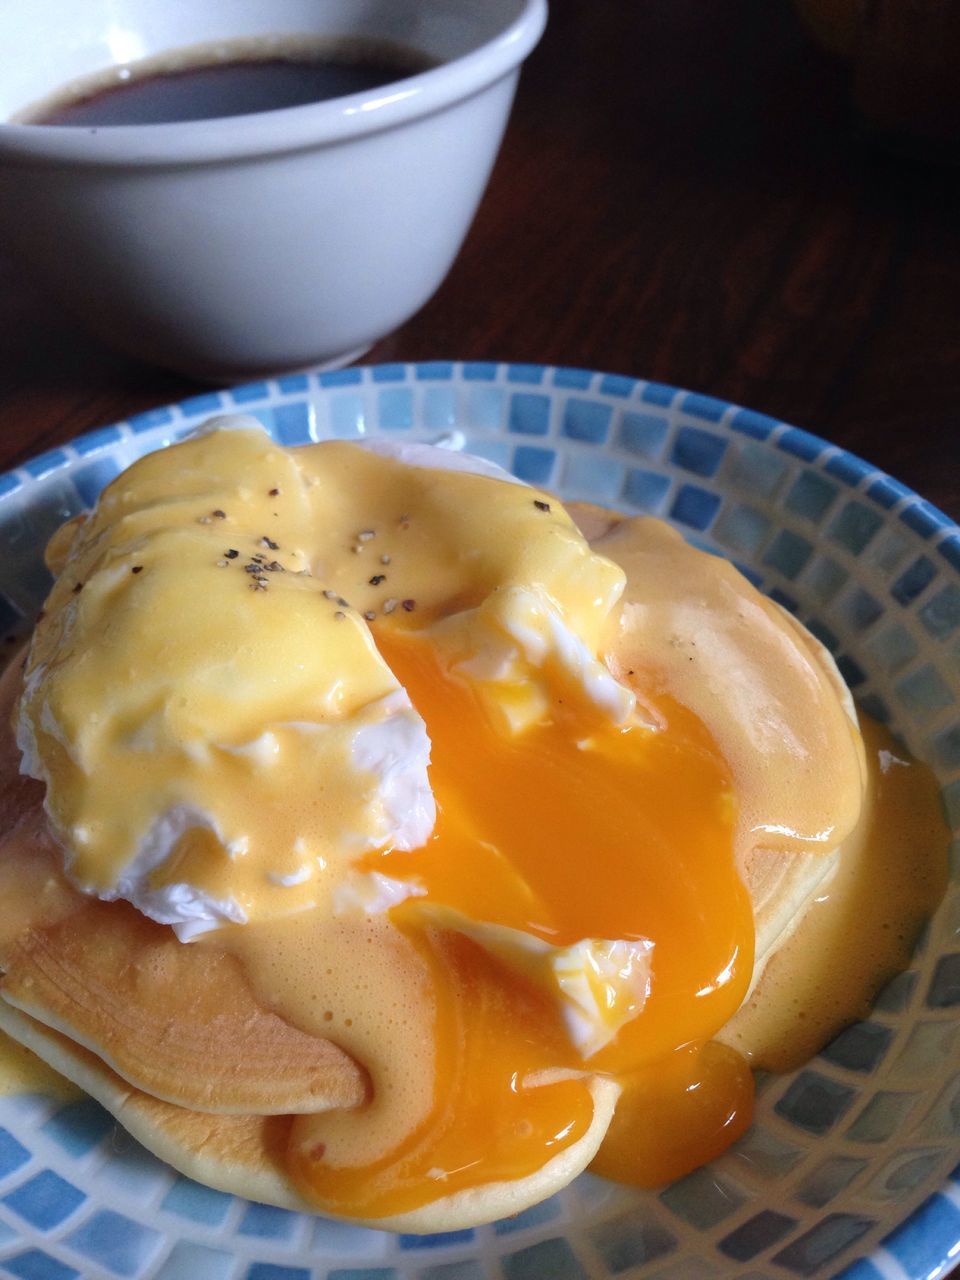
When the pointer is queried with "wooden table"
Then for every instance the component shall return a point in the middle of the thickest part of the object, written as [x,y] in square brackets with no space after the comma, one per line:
[681,196]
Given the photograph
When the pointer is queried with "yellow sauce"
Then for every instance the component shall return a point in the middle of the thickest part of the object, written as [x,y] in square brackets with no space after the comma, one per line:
[21,1071]
[862,927]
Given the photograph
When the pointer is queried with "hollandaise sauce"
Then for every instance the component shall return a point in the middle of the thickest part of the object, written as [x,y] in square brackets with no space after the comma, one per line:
[514,820]
[861,929]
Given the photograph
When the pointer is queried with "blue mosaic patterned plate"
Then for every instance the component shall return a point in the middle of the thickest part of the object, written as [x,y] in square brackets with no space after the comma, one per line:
[851,1167]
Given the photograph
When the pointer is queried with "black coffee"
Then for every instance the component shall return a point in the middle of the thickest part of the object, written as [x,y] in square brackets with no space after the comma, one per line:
[207,92]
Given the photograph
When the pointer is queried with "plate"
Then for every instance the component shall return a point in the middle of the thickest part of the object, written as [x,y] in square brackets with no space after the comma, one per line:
[849,1169]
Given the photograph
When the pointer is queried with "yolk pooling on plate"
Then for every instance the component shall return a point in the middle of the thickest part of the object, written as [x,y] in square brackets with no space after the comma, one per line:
[248,661]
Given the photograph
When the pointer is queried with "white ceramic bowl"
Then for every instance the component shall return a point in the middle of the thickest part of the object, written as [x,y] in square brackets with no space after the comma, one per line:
[261,242]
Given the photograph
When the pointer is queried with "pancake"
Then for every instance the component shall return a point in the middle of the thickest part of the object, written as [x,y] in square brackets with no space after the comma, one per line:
[243,1154]
[114,981]
[246,1155]
[175,1042]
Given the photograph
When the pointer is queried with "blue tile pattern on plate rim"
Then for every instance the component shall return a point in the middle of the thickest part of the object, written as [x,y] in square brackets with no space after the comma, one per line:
[849,1168]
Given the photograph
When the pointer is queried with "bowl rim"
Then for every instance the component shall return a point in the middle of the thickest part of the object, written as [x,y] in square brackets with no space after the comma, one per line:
[286,129]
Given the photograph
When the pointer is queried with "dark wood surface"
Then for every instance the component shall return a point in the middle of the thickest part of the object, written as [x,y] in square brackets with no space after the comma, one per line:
[682,195]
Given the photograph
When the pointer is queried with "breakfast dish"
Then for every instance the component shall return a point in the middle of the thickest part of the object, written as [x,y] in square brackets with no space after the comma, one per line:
[428,840]
[521,674]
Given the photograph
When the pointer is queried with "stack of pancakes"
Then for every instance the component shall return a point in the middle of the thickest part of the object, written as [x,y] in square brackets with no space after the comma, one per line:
[172,1040]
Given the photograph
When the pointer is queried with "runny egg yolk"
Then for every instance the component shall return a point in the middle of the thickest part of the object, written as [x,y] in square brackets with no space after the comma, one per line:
[626,835]
[488,1122]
